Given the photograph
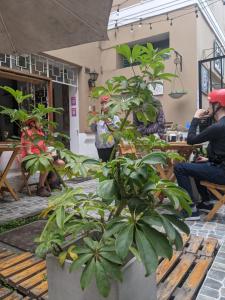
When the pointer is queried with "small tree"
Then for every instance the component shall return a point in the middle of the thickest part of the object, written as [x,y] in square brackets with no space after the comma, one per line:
[126,216]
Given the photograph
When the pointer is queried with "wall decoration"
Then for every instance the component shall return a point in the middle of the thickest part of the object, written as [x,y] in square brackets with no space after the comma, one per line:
[205,80]
[218,64]
[73,101]
[74,112]
[156,88]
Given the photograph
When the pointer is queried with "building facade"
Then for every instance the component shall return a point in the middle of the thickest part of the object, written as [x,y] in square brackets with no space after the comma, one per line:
[195,29]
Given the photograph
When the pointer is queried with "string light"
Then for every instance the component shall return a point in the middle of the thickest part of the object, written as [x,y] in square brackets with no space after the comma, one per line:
[140,23]
[196,11]
[131,28]
[150,26]
[118,11]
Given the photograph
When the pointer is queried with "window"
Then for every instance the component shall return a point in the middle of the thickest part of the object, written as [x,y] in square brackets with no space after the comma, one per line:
[159,42]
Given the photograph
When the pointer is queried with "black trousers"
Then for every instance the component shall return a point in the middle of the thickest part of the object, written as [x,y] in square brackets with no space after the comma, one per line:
[104,154]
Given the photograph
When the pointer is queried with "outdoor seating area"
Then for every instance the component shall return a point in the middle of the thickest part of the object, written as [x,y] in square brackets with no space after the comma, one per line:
[112,150]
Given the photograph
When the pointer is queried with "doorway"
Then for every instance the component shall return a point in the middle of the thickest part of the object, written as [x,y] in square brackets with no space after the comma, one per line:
[61,99]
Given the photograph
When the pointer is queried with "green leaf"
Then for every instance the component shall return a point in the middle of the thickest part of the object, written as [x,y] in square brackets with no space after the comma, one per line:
[102,280]
[115,228]
[113,270]
[124,240]
[154,158]
[169,229]
[107,189]
[158,241]
[87,274]
[178,223]
[82,259]
[111,256]
[90,243]
[60,217]
[125,51]
[62,257]
[178,241]
[147,253]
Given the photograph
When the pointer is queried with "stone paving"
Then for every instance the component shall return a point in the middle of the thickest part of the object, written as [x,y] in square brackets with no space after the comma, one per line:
[32,205]
[214,285]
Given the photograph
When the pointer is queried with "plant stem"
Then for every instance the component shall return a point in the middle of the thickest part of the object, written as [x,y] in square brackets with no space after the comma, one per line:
[120,129]
[60,177]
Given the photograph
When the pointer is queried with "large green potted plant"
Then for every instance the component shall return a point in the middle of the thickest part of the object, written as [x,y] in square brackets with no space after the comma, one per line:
[113,239]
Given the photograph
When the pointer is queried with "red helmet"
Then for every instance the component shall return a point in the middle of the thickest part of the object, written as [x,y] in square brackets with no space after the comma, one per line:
[217,96]
[104,99]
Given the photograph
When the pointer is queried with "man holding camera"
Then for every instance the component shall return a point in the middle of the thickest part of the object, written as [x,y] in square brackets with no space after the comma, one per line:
[212,168]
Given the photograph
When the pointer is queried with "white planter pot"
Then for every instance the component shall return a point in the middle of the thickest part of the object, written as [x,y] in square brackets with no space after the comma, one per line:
[64,285]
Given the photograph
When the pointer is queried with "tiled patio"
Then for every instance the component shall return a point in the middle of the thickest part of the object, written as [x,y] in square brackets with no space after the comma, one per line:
[29,206]
[214,284]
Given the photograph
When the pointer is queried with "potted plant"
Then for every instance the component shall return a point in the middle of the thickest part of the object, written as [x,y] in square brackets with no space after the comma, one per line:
[108,243]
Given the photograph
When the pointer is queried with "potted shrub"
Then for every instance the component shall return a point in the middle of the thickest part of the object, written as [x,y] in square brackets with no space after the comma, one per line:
[108,243]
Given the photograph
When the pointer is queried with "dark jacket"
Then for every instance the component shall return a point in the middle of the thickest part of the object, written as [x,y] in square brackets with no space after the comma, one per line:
[214,134]
[157,127]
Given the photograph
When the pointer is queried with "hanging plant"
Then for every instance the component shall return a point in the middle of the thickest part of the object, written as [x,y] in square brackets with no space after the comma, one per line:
[177,94]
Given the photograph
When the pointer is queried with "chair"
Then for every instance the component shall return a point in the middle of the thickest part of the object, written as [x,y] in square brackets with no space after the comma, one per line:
[219,192]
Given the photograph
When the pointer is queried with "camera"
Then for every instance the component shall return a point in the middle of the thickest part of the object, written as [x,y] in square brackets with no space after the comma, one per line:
[204,123]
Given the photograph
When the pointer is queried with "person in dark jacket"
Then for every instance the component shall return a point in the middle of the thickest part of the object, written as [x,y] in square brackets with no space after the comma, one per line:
[157,127]
[212,168]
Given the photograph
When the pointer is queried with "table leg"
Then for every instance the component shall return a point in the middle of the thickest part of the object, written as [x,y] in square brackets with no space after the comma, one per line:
[3,180]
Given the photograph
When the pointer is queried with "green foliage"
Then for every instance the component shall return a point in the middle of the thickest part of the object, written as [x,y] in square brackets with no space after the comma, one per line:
[127,216]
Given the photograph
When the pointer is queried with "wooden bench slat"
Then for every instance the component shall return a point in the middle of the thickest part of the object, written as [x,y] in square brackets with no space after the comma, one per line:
[15,260]
[5,254]
[4,292]
[14,296]
[194,244]
[194,280]
[15,279]
[40,289]
[165,266]
[209,247]
[44,297]
[167,288]
[33,281]
[19,267]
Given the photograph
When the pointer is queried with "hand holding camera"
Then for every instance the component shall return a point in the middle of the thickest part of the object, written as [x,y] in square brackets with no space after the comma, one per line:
[201,113]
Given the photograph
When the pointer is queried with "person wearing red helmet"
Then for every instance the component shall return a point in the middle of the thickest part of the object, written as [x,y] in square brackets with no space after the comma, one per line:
[104,140]
[212,168]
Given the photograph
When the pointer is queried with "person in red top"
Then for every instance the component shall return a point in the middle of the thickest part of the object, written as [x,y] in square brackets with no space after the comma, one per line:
[31,132]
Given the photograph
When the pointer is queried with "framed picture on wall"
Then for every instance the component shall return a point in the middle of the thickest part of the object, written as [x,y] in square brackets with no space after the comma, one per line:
[218,63]
[205,80]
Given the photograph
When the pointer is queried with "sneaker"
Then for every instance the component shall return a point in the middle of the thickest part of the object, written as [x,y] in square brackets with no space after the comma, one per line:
[205,206]
[195,216]
[43,192]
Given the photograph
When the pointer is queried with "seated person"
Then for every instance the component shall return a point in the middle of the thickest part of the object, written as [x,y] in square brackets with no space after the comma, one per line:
[210,169]
[31,130]
[157,127]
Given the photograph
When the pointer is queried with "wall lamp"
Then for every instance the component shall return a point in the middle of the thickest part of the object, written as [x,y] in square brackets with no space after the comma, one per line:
[93,77]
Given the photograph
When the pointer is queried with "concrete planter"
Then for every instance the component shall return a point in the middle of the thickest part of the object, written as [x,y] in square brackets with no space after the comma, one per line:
[64,285]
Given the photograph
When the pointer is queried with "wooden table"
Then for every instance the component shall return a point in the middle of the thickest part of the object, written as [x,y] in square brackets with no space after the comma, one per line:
[4,183]
[183,149]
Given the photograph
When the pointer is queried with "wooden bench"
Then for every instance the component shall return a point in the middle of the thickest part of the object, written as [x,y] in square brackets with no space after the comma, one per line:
[178,278]
[219,192]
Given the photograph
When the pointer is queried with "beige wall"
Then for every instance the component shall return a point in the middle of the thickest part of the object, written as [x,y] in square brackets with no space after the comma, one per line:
[188,35]
[218,8]
[183,40]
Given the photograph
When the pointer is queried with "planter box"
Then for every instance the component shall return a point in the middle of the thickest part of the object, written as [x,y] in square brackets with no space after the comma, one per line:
[64,285]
